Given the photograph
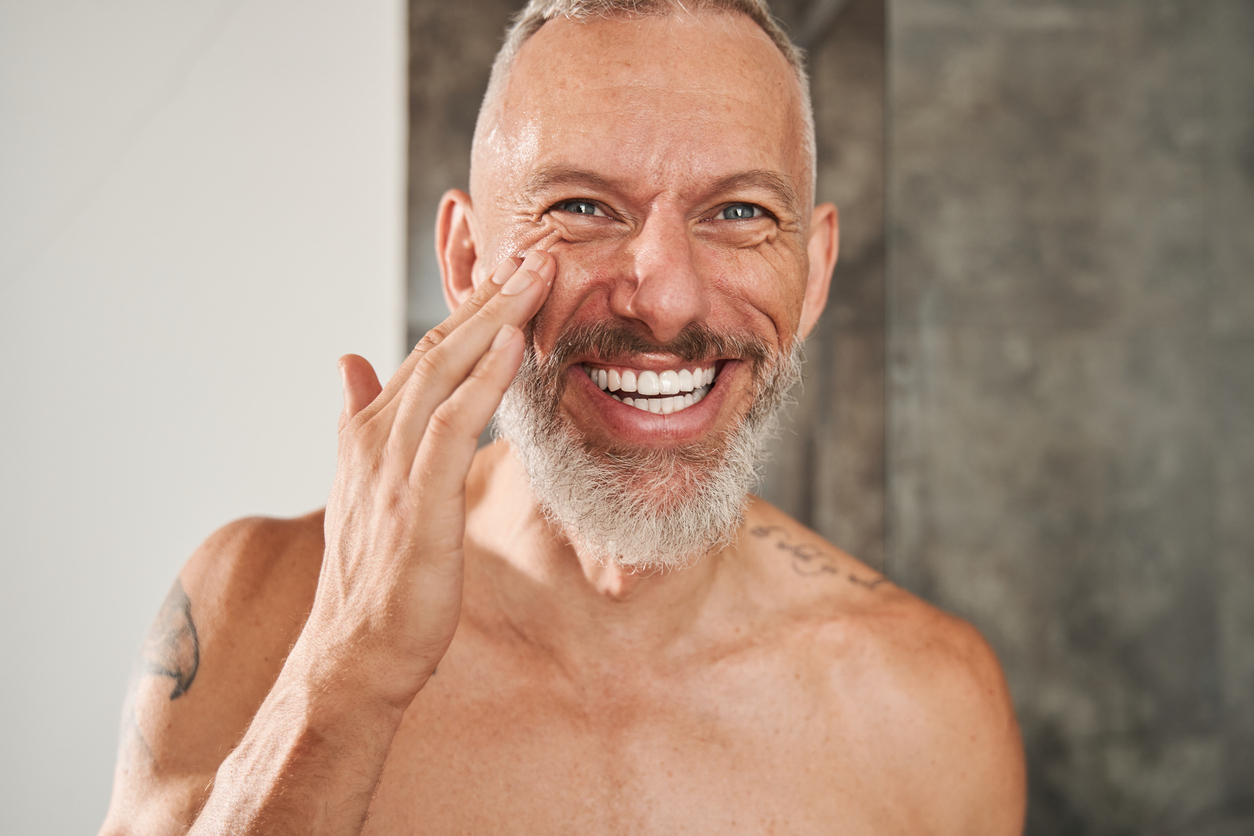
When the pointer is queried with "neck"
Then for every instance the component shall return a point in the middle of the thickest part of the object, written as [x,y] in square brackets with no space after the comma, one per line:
[559,596]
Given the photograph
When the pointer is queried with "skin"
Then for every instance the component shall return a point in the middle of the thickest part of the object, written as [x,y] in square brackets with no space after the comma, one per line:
[778,686]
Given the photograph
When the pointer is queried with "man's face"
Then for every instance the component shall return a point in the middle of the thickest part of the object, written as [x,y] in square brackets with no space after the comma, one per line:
[661,161]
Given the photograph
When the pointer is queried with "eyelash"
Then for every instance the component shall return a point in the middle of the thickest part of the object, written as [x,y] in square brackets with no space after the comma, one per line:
[765,214]
[561,205]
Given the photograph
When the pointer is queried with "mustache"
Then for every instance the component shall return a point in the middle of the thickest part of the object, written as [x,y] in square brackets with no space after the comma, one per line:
[697,342]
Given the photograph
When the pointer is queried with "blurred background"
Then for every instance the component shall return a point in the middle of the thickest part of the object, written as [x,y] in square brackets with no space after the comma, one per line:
[1028,400]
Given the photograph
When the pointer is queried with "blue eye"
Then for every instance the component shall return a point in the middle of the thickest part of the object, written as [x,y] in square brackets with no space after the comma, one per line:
[578,207]
[741,212]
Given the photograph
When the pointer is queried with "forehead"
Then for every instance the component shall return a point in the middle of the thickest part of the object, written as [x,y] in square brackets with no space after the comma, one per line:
[654,98]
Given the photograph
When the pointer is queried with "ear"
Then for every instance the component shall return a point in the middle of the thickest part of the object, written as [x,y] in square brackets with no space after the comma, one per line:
[455,246]
[824,246]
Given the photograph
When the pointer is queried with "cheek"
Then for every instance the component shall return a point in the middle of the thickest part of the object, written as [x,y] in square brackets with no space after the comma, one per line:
[758,287]
[768,281]
[573,297]
[519,235]
[509,235]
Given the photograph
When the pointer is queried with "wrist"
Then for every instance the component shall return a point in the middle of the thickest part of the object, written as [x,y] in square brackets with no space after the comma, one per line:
[333,674]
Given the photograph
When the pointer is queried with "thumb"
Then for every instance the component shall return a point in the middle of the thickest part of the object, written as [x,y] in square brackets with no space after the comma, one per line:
[361,385]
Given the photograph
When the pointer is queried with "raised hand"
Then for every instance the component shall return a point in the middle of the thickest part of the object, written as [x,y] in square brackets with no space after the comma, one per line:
[389,594]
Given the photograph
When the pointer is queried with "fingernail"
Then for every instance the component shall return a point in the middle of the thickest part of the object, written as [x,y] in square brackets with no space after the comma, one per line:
[502,336]
[504,270]
[548,269]
[520,281]
[534,261]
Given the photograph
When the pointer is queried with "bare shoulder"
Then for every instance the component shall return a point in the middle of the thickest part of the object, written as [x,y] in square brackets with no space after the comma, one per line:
[918,687]
[211,656]
[948,718]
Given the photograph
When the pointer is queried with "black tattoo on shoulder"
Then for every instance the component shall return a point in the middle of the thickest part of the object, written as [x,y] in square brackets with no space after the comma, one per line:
[172,648]
[810,560]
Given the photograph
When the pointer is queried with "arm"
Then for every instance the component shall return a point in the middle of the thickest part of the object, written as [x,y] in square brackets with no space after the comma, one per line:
[388,593]
[964,746]
[212,655]
[987,739]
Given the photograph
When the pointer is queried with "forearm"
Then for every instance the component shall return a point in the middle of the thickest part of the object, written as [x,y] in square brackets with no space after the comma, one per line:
[308,764]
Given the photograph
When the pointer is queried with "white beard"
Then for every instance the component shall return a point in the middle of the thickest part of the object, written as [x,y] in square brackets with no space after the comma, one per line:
[642,508]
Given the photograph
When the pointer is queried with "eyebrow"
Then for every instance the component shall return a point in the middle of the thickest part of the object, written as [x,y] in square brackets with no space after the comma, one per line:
[556,176]
[761,178]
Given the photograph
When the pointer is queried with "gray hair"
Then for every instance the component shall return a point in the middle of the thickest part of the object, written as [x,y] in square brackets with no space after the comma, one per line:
[538,12]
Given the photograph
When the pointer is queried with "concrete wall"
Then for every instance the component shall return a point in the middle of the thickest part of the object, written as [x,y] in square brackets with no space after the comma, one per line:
[201,208]
[1072,379]
[826,468]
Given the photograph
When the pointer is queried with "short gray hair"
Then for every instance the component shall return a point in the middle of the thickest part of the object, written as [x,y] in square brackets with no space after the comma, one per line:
[538,12]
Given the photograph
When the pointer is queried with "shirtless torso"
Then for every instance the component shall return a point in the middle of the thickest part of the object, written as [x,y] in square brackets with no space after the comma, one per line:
[803,694]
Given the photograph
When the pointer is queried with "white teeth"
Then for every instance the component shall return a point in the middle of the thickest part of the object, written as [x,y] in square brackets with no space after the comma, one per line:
[665,406]
[668,382]
[680,389]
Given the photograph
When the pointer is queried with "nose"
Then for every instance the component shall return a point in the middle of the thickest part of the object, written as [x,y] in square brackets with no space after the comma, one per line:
[662,286]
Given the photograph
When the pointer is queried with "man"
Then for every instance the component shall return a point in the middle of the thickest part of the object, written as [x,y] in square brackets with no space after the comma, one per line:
[588,627]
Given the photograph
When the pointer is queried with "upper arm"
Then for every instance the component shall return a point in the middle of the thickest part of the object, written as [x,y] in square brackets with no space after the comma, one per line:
[975,765]
[211,657]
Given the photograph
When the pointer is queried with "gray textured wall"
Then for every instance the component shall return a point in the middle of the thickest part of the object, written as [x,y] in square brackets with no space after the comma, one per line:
[1072,375]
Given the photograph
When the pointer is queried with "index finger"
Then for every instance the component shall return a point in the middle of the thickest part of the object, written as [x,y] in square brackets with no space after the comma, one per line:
[474,304]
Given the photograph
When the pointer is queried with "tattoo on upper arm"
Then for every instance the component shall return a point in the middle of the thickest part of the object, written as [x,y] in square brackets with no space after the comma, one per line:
[809,559]
[172,648]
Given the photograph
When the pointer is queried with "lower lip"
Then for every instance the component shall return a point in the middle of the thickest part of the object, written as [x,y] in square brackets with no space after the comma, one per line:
[651,428]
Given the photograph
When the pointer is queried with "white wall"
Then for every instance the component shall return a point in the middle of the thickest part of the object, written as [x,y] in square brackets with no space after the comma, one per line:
[201,208]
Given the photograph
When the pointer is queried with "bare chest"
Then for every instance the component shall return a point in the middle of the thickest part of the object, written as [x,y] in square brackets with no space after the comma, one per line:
[483,752]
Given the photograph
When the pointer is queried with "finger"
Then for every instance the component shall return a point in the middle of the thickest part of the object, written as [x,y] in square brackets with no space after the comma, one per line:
[499,275]
[486,290]
[452,434]
[443,368]
[361,385]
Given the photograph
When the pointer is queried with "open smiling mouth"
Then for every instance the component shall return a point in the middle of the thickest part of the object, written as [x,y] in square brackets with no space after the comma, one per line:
[662,393]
